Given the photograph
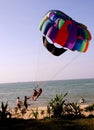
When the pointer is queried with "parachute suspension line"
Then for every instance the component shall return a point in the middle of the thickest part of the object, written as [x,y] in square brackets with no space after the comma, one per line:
[66,65]
[36,74]
[37,68]
[63,68]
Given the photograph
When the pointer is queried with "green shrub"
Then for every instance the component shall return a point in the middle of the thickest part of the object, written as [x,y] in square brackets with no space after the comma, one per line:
[57,103]
[4,113]
[89,108]
[35,113]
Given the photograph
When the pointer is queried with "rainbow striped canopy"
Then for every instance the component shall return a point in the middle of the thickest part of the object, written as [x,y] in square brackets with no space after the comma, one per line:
[63,30]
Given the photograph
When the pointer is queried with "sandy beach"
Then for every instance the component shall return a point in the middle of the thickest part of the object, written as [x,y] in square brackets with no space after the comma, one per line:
[41,112]
[29,113]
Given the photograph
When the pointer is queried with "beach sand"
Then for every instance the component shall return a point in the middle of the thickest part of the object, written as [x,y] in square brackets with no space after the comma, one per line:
[30,113]
[42,112]
[86,113]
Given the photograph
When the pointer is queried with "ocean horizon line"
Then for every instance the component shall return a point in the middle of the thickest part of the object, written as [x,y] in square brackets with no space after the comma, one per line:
[39,81]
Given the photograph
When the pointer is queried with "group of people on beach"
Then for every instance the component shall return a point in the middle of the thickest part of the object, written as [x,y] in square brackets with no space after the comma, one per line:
[36,94]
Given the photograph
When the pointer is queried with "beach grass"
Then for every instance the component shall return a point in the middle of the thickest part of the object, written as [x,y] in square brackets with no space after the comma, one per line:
[48,124]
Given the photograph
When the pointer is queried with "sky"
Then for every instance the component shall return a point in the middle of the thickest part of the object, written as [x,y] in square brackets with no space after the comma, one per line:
[23,57]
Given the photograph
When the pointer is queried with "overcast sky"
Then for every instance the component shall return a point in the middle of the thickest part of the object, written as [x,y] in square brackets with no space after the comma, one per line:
[22,54]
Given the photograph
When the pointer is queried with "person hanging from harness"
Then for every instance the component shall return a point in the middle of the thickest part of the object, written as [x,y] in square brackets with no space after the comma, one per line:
[36,94]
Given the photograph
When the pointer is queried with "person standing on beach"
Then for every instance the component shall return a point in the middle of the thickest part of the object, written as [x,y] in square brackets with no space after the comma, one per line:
[18,102]
[25,101]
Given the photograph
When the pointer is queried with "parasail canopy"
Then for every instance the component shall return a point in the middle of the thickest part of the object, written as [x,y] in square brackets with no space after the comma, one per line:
[64,31]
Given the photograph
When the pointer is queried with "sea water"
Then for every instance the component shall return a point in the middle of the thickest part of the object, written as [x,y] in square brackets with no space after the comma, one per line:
[76,89]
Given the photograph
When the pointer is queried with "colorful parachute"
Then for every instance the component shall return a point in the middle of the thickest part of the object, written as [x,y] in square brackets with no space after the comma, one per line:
[63,30]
